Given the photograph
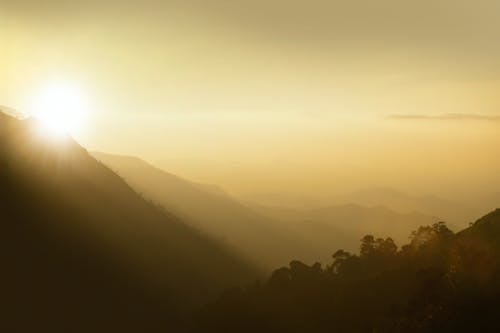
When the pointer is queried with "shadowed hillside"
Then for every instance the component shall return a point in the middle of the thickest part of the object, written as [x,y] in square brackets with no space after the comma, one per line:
[82,252]
[260,238]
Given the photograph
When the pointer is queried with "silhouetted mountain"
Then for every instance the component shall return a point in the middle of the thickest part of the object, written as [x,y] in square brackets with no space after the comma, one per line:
[208,208]
[479,247]
[82,252]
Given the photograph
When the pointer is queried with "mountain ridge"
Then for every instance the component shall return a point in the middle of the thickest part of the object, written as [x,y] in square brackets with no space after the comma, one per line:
[89,247]
[255,236]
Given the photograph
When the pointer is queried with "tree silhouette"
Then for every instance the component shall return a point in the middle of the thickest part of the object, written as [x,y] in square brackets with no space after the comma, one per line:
[438,282]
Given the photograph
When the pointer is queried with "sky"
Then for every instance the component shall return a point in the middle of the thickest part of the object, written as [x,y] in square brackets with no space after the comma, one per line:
[307,97]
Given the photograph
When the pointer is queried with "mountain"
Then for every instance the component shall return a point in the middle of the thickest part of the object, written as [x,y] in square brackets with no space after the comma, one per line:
[211,210]
[480,247]
[456,214]
[270,236]
[344,225]
[81,251]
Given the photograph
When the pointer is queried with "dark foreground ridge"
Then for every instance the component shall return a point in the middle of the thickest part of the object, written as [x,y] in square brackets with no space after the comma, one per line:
[82,252]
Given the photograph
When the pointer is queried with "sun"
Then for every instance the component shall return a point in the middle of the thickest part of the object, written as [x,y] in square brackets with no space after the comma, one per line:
[60,107]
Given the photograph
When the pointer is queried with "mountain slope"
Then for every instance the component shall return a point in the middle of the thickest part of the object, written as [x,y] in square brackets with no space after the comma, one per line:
[208,208]
[81,251]
[269,235]
[487,226]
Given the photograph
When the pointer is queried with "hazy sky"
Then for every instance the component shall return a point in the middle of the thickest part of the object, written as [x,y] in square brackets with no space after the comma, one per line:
[311,97]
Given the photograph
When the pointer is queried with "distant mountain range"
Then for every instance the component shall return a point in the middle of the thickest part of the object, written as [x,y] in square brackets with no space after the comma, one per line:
[344,225]
[457,214]
[268,235]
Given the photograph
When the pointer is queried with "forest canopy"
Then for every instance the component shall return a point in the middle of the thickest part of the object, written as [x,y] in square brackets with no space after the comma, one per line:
[439,281]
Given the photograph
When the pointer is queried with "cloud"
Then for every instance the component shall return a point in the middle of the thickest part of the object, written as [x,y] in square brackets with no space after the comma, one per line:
[446,116]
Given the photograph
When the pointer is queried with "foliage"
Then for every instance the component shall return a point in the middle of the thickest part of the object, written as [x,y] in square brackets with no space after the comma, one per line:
[430,284]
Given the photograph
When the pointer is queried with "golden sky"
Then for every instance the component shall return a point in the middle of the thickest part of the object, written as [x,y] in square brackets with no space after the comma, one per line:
[313,97]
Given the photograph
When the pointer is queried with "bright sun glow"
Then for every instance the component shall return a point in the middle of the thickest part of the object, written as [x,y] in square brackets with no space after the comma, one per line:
[60,107]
